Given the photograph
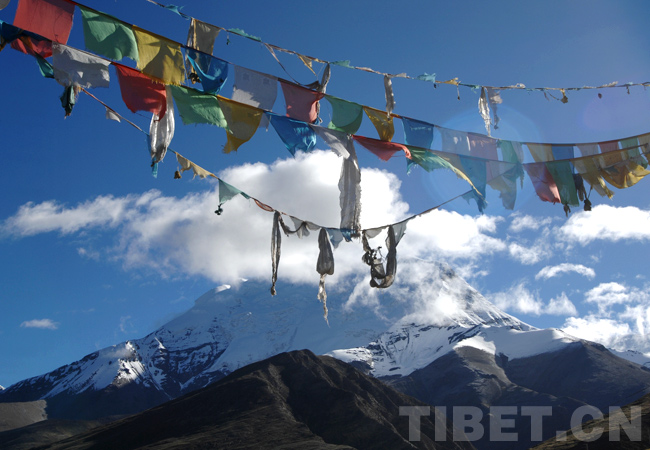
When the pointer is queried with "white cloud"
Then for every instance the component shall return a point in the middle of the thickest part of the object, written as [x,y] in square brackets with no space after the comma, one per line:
[606,223]
[606,295]
[610,333]
[49,216]
[621,320]
[521,223]
[561,306]
[126,325]
[553,271]
[45,324]
[449,235]
[518,298]
[528,255]
[182,236]
[90,254]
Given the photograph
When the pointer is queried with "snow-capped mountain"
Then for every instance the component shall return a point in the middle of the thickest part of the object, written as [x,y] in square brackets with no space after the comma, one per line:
[643,359]
[428,315]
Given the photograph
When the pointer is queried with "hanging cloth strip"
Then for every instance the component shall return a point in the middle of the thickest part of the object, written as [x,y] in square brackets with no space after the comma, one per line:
[494,99]
[349,179]
[484,110]
[161,131]
[276,244]
[390,97]
[324,266]
[379,277]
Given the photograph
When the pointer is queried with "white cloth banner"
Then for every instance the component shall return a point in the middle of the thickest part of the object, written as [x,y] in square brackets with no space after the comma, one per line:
[78,68]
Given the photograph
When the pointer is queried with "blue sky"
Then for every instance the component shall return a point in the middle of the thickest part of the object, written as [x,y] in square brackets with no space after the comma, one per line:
[94,250]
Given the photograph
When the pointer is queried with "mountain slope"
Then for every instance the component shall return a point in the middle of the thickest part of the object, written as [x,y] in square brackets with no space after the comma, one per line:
[626,428]
[16,415]
[44,432]
[431,336]
[292,400]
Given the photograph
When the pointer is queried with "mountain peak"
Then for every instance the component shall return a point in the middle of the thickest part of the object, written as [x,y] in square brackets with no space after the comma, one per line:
[428,312]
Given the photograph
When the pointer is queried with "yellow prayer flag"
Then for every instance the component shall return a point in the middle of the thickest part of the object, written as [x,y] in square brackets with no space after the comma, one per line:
[624,174]
[307,61]
[588,170]
[243,121]
[159,57]
[541,152]
[382,122]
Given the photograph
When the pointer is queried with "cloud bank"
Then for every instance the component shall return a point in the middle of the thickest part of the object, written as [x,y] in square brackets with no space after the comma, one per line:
[183,237]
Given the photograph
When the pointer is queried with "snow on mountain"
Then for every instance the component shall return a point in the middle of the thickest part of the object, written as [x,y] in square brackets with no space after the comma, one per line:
[448,314]
[640,358]
[427,313]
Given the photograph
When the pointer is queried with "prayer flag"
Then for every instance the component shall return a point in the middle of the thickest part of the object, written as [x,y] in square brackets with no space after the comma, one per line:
[197,107]
[159,57]
[141,93]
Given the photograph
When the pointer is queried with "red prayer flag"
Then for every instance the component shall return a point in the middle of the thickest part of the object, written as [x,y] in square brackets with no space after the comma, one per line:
[383,149]
[302,103]
[51,19]
[543,181]
[141,93]
[32,46]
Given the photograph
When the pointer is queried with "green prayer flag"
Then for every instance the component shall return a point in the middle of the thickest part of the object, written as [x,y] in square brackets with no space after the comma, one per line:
[635,151]
[108,36]
[427,160]
[45,67]
[563,176]
[227,191]
[240,32]
[346,116]
[513,155]
[196,107]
